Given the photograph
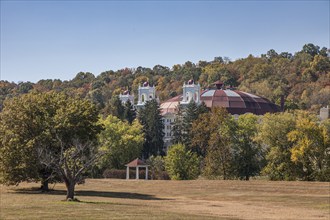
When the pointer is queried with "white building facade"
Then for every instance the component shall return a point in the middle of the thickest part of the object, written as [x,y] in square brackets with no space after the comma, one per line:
[146,93]
[125,97]
[191,92]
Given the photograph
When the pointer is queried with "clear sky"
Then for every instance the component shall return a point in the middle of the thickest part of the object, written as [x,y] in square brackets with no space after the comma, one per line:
[58,39]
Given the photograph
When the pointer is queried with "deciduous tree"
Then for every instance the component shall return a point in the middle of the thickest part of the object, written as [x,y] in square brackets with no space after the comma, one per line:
[48,133]
[272,135]
[311,147]
[219,156]
[181,164]
[121,142]
[248,155]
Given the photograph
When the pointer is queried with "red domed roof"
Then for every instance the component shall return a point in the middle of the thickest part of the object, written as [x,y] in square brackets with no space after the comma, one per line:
[237,102]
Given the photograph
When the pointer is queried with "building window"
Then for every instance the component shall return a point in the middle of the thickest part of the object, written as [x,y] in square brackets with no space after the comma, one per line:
[143,98]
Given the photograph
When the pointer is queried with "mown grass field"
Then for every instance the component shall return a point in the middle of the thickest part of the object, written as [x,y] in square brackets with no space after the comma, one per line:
[199,199]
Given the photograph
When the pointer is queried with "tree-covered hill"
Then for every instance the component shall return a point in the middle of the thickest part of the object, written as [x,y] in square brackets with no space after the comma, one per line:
[303,79]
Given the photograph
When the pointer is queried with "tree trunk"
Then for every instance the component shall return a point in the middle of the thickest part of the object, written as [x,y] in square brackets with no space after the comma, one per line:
[70,190]
[44,185]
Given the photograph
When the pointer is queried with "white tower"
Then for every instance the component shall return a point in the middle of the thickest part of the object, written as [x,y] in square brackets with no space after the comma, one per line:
[191,92]
[126,96]
[146,93]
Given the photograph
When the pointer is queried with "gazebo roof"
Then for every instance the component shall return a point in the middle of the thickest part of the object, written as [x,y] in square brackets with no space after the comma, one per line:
[136,163]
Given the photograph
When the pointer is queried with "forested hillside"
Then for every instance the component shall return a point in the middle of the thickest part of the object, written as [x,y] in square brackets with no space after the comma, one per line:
[303,79]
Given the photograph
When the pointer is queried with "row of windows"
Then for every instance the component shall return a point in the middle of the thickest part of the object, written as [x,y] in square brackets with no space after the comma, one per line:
[168,134]
[168,120]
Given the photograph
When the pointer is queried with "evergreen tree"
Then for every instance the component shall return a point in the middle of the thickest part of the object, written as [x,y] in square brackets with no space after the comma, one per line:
[178,125]
[190,115]
[153,126]
[202,108]
[116,108]
[129,112]
[184,120]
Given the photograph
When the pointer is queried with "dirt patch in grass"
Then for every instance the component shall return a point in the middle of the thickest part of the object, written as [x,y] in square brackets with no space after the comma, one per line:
[200,199]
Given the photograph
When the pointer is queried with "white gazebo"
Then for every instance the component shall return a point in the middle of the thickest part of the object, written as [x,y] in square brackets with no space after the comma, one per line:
[137,163]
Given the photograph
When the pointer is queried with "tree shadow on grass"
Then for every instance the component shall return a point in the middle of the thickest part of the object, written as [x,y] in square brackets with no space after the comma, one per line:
[121,195]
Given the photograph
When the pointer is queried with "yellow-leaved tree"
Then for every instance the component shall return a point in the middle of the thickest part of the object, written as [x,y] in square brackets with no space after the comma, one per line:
[311,146]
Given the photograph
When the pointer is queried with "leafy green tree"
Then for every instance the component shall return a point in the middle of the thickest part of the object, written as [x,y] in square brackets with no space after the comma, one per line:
[219,156]
[286,55]
[218,59]
[151,120]
[129,112]
[311,49]
[122,142]
[311,147]
[45,134]
[25,87]
[248,155]
[320,64]
[271,54]
[97,98]
[82,79]
[272,135]
[181,164]
[24,121]
[161,70]
[324,52]
[202,131]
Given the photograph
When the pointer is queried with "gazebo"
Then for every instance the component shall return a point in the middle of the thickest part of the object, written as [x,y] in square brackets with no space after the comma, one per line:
[137,163]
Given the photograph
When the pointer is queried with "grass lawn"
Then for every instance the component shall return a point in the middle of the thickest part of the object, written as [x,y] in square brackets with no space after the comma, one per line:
[199,199]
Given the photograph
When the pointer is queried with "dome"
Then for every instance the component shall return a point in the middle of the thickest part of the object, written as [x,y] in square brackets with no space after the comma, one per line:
[190,82]
[238,102]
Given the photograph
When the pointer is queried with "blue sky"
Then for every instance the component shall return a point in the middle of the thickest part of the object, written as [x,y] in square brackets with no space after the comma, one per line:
[58,39]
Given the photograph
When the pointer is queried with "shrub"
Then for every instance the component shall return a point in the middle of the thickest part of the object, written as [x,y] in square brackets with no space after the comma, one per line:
[182,164]
[157,168]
